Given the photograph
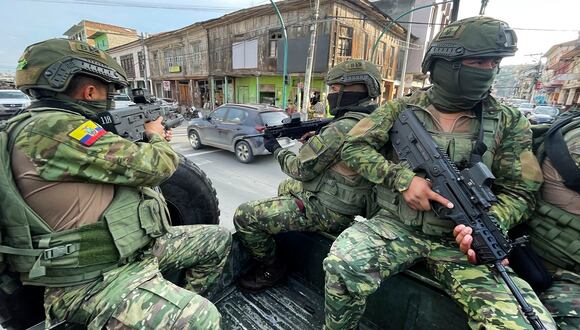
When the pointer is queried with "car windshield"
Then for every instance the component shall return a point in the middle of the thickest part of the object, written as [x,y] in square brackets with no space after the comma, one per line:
[273,118]
[12,95]
[546,111]
[121,98]
[526,105]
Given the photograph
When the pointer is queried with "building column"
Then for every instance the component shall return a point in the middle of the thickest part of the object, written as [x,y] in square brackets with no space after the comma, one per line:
[212,92]
[571,94]
[257,89]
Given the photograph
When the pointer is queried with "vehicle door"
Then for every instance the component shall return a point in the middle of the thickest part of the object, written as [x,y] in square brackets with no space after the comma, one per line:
[214,121]
[233,125]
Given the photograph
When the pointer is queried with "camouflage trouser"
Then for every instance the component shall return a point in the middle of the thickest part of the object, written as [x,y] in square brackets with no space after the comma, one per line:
[360,259]
[293,210]
[562,299]
[137,296]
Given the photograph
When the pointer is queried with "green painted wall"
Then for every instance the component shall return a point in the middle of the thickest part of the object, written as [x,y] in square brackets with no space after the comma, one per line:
[246,88]
[102,42]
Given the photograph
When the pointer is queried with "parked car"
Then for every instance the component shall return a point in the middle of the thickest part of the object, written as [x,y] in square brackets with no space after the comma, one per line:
[226,127]
[526,108]
[543,114]
[12,101]
[122,101]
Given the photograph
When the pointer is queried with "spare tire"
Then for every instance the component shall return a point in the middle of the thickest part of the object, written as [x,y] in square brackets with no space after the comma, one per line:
[190,196]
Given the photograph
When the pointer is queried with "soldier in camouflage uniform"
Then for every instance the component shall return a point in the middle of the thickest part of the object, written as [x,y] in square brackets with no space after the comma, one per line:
[554,228]
[101,231]
[322,194]
[459,112]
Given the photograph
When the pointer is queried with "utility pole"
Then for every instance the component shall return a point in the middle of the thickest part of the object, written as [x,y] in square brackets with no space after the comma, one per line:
[145,66]
[483,5]
[309,63]
[455,10]
[400,92]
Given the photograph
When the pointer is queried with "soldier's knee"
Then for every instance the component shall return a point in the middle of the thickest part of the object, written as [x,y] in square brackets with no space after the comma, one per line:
[243,215]
[199,314]
[344,274]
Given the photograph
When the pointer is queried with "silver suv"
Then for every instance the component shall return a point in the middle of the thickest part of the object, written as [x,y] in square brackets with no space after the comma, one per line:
[12,101]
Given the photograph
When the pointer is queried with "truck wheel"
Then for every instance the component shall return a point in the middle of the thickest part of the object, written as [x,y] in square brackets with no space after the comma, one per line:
[190,196]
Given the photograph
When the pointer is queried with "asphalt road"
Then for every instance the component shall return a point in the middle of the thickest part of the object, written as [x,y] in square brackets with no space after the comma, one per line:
[234,182]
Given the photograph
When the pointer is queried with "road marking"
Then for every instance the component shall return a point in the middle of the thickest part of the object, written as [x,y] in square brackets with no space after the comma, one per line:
[201,153]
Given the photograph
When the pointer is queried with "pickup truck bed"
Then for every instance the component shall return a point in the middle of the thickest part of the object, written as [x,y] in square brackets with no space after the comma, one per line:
[411,300]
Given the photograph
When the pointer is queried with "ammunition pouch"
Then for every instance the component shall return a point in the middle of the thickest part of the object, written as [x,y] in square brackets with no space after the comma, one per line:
[392,201]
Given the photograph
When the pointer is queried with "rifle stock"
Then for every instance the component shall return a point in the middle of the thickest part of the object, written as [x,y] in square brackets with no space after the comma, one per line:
[469,190]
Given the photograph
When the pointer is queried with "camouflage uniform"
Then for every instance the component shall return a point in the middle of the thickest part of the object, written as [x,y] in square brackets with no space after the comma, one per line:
[294,209]
[373,250]
[322,194]
[133,293]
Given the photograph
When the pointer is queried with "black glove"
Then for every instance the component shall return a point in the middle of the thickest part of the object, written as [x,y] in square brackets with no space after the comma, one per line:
[271,144]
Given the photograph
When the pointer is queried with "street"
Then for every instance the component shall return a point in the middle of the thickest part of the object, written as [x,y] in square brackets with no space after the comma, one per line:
[234,182]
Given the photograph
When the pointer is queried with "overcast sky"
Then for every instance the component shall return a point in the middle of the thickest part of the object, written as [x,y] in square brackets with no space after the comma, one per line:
[28,21]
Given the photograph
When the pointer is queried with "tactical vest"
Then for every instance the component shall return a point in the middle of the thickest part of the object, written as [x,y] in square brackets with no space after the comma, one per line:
[555,233]
[460,146]
[75,256]
[345,195]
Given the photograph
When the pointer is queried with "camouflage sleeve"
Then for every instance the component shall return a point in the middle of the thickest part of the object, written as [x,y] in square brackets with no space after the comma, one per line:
[109,159]
[317,154]
[361,149]
[518,174]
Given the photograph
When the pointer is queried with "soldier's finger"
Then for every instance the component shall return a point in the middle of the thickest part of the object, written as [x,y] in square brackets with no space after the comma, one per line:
[458,229]
[440,199]
[465,244]
[471,257]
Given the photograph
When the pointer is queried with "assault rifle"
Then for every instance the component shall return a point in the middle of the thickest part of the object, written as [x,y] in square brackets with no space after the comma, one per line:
[470,192]
[129,122]
[292,128]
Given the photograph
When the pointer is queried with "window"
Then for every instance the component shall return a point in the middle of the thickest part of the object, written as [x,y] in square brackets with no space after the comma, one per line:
[219,114]
[178,56]
[245,54]
[345,41]
[197,56]
[274,37]
[168,58]
[128,65]
[392,57]
[236,116]
[141,60]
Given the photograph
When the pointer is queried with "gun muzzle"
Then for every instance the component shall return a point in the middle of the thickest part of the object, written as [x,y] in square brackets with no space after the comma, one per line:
[172,123]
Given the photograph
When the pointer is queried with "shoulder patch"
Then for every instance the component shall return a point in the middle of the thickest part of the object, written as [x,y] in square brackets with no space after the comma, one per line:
[87,133]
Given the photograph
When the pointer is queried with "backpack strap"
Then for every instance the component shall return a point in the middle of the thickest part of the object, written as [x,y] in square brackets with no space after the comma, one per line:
[557,150]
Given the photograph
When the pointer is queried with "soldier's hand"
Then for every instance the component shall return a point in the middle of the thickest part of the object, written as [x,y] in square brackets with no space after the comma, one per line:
[306,136]
[419,194]
[168,134]
[155,127]
[464,239]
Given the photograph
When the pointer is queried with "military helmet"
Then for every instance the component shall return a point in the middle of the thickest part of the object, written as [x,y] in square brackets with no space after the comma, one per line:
[478,36]
[356,72]
[51,65]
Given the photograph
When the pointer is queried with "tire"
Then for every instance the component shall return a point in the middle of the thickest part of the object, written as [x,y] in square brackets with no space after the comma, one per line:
[194,140]
[190,196]
[243,152]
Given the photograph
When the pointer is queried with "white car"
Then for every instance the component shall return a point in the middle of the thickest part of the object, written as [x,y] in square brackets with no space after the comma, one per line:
[122,101]
[12,101]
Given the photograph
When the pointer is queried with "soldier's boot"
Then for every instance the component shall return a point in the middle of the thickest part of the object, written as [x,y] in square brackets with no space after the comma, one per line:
[263,276]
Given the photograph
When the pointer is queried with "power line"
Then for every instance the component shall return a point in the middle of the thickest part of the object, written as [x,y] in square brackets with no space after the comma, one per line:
[137,4]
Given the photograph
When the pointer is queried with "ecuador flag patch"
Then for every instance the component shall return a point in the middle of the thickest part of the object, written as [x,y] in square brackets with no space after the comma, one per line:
[87,133]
